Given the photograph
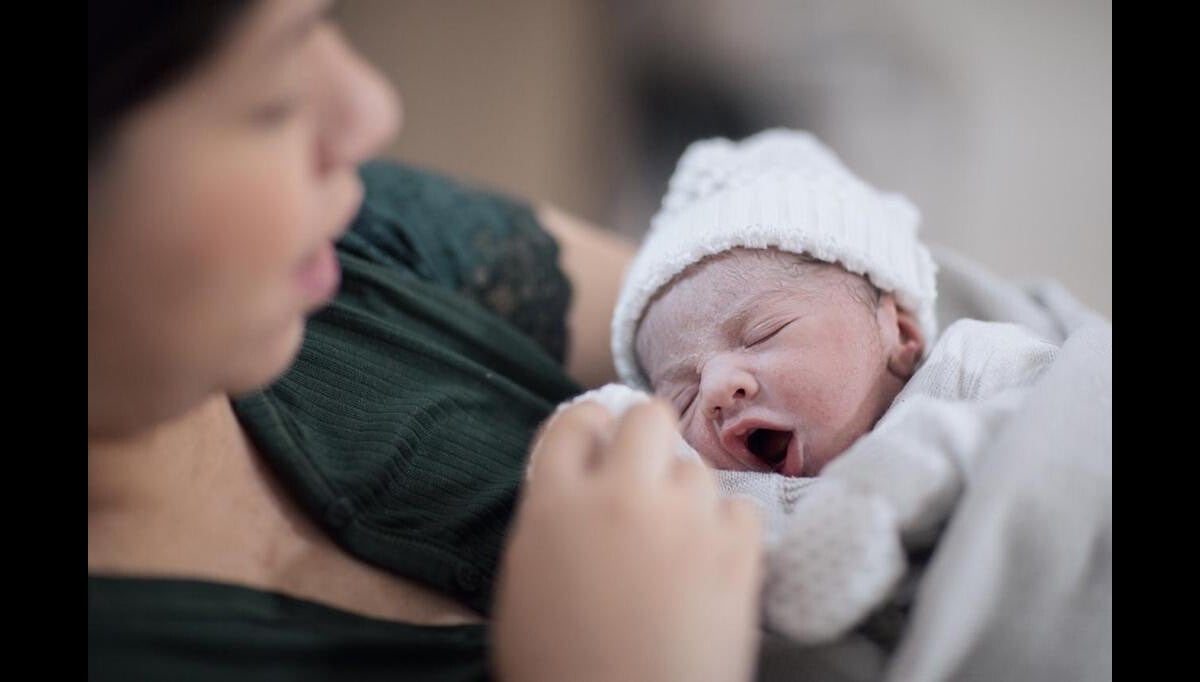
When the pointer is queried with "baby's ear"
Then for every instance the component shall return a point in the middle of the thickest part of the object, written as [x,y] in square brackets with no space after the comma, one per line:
[902,337]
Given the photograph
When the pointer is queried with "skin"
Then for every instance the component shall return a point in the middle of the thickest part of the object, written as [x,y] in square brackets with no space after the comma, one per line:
[596,258]
[206,215]
[215,196]
[749,339]
[599,490]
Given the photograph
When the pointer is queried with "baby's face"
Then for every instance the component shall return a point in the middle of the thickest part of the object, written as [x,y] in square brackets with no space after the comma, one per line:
[770,370]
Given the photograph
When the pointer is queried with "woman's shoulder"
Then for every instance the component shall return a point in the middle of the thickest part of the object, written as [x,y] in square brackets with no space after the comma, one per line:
[481,245]
[441,226]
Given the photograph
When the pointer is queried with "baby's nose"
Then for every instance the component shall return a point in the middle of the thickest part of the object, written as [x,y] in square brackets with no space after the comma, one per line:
[724,385]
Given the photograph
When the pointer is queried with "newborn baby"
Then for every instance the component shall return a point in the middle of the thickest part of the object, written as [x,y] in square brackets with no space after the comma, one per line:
[778,302]
[785,309]
[775,361]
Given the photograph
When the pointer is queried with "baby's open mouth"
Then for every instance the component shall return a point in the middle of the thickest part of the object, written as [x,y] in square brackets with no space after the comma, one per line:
[769,445]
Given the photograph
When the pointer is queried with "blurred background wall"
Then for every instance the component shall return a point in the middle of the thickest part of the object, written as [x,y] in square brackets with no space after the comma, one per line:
[993,116]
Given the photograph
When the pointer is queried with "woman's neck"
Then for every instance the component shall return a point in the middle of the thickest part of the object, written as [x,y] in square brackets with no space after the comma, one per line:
[192,498]
[156,464]
[174,498]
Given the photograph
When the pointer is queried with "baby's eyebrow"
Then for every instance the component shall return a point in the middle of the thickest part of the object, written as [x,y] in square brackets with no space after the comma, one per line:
[730,328]
[676,370]
[735,323]
[734,326]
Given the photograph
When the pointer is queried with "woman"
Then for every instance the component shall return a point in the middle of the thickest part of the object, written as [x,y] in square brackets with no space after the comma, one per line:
[270,495]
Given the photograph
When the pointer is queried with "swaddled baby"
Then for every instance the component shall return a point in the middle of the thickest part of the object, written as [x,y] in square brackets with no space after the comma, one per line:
[778,302]
[785,309]
[775,361]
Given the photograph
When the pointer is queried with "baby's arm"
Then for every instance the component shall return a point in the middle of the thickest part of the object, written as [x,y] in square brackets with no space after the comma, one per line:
[842,547]
[837,544]
[842,550]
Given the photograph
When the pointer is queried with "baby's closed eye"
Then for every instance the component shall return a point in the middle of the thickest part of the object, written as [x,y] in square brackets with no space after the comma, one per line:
[684,400]
[762,332]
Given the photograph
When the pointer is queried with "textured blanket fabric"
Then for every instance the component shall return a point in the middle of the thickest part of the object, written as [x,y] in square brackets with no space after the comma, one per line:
[1021,584]
[994,465]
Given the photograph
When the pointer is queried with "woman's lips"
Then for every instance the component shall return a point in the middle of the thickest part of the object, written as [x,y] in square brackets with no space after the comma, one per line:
[319,275]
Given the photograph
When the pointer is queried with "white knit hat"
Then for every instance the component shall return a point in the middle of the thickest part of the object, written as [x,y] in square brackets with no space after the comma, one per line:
[782,189]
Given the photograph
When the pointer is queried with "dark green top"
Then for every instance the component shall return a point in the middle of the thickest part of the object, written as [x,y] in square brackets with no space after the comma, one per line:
[182,630]
[402,429]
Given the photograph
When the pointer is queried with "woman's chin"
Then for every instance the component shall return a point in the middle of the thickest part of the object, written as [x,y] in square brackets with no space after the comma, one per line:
[271,360]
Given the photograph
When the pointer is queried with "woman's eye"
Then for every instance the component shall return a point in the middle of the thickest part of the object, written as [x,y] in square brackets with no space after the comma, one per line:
[276,112]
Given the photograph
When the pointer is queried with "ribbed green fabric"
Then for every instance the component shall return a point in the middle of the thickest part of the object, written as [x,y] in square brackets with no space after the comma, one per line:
[181,630]
[404,424]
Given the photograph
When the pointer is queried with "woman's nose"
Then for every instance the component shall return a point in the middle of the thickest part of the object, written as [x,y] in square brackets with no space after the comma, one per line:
[724,386]
[362,110]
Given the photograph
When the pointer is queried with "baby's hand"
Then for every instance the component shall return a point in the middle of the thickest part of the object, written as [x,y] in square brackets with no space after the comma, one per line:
[617,399]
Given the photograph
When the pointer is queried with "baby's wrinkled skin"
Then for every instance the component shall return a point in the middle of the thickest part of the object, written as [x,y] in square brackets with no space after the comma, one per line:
[774,364]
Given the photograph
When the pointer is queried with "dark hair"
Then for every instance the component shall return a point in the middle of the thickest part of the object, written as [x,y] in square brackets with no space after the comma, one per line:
[138,48]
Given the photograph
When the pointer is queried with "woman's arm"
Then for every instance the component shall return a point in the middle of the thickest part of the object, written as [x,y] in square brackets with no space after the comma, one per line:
[594,261]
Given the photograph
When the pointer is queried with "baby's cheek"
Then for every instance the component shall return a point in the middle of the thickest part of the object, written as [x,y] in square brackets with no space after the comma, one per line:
[706,448]
[697,446]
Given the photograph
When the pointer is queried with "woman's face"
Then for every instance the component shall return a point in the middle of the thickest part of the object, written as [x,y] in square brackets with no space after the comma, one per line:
[212,215]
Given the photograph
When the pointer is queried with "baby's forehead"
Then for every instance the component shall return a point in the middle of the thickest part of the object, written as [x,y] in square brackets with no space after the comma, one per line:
[734,284]
[713,295]
[743,273]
